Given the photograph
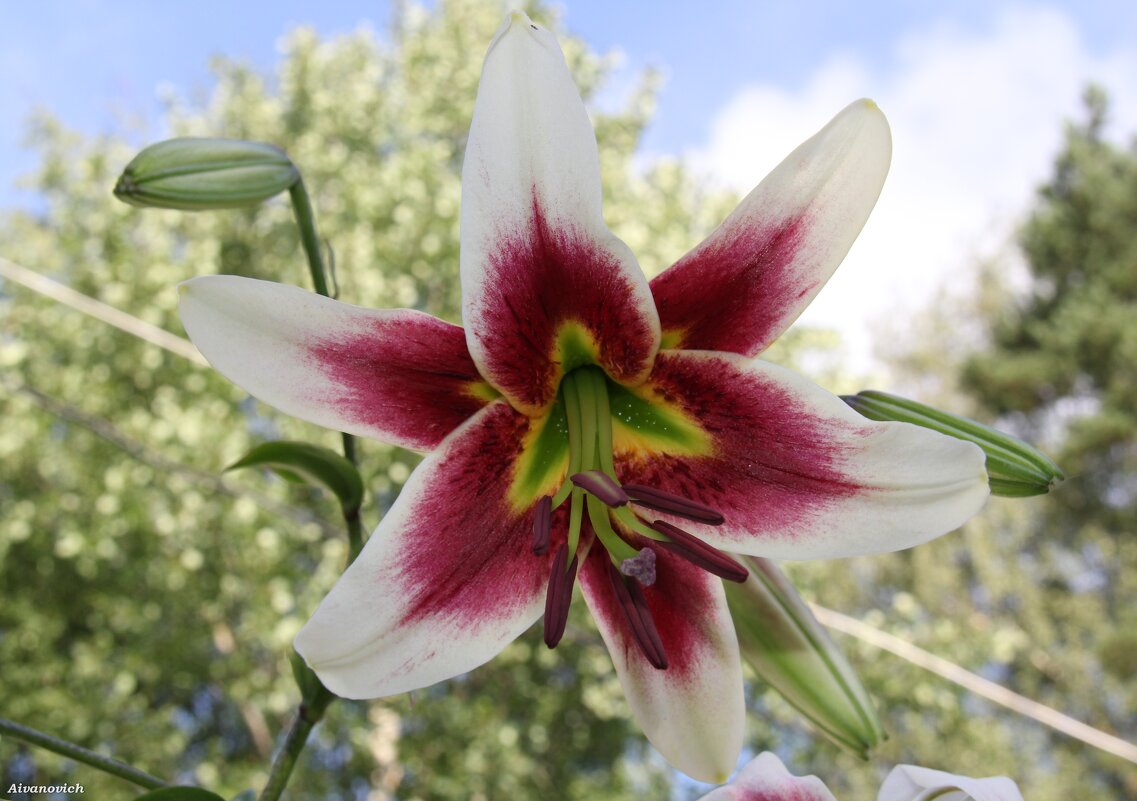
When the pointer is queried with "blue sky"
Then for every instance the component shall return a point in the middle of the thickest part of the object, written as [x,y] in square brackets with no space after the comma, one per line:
[94,64]
[976,92]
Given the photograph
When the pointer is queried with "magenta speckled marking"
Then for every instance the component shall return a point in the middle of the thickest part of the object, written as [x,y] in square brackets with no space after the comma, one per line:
[466,555]
[408,375]
[542,277]
[775,463]
[738,290]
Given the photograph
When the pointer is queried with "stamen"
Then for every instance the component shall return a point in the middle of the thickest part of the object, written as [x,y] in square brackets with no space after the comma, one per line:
[632,603]
[699,553]
[603,422]
[559,596]
[542,525]
[602,486]
[586,401]
[572,418]
[576,515]
[677,505]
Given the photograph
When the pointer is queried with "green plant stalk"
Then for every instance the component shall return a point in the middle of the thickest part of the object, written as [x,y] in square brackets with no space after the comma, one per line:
[306,221]
[310,239]
[311,709]
[307,716]
[76,752]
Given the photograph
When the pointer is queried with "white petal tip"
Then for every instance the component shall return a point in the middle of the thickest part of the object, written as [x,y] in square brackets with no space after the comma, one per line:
[514,20]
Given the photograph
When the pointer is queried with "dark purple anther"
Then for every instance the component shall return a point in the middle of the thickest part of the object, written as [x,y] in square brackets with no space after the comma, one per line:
[542,525]
[641,567]
[602,486]
[676,505]
[559,596]
[633,605]
[699,553]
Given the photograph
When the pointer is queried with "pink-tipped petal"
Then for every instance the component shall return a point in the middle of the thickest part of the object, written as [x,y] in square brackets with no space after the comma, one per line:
[765,778]
[399,376]
[543,280]
[446,581]
[753,276]
[795,472]
[910,783]
[693,711]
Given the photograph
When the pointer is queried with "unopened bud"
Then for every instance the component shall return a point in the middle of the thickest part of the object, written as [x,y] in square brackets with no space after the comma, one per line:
[1015,469]
[785,645]
[199,174]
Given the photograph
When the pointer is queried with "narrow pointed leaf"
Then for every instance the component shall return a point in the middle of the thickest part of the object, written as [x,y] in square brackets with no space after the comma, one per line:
[313,464]
[785,645]
[1016,469]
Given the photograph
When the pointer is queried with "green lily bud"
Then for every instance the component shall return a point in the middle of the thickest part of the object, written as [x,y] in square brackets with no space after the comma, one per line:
[1015,469]
[199,174]
[785,645]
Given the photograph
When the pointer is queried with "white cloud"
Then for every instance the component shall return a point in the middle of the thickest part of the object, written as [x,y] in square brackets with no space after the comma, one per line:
[977,119]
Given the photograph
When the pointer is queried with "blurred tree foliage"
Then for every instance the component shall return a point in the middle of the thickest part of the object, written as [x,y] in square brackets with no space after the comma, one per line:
[1063,362]
[1034,594]
[149,606]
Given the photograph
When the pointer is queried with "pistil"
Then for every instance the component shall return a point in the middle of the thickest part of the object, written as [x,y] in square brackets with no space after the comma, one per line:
[630,543]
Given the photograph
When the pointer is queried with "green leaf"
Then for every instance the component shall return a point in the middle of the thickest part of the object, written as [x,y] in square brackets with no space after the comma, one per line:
[179,794]
[313,464]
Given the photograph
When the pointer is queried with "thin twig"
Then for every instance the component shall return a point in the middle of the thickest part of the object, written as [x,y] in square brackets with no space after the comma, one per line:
[96,760]
[1024,706]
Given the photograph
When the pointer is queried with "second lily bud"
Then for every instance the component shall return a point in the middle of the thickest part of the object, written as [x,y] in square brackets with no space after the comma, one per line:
[1015,469]
[781,639]
[201,174]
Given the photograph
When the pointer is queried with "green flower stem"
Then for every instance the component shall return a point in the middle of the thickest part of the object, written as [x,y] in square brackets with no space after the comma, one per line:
[311,709]
[104,763]
[307,716]
[306,220]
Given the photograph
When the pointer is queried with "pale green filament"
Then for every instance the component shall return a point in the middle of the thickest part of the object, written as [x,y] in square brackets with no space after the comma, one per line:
[629,519]
[588,414]
[576,514]
[572,414]
[603,424]
[613,543]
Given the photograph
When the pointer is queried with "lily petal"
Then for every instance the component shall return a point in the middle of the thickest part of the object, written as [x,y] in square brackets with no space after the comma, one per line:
[911,783]
[765,778]
[796,473]
[545,286]
[446,581]
[752,277]
[400,376]
[693,712]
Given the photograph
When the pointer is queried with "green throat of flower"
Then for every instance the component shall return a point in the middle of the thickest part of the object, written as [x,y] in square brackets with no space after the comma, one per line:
[615,516]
